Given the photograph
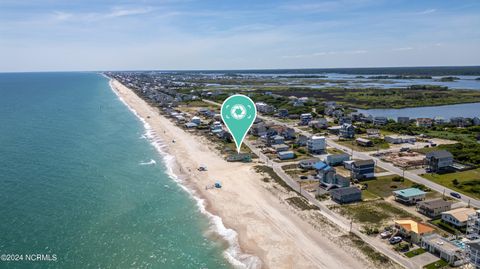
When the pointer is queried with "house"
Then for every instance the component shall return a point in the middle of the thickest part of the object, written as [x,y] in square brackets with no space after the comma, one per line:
[334,181]
[285,155]
[458,217]
[400,139]
[316,144]
[346,131]
[424,122]
[344,119]
[305,118]
[191,125]
[439,120]
[264,108]
[216,126]
[412,230]
[280,147]
[476,121]
[348,164]
[258,129]
[409,196]
[196,120]
[307,164]
[460,121]
[320,123]
[473,252]
[403,120]
[444,249]
[379,121]
[283,113]
[373,133]
[336,159]
[334,129]
[276,140]
[433,208]
[363,169]
[438,161]
[364,142]
[301,140]
[346,195]
[473,226]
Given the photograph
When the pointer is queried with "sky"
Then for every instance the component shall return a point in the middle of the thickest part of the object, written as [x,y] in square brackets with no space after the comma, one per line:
[51,35]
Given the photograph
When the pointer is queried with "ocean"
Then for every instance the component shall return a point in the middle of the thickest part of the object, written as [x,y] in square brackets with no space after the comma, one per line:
[82,185]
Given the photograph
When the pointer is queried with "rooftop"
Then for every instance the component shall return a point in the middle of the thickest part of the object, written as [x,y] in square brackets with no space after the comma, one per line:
[439,154]
[413,226]
[461,214]
[441,243]
[409,192]
[434,203]
[345,191]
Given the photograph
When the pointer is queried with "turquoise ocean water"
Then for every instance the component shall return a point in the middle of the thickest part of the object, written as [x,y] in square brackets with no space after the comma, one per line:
[79,180]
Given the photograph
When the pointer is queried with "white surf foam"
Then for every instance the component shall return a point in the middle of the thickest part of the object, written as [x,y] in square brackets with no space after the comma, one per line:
[151,162]
[233,253]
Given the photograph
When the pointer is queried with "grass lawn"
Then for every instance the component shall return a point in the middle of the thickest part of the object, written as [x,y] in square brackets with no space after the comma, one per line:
[373,212]
[436,264]
[367,196]
[334,151]
[352,145]
[383,186]
[415,252]
[468,181]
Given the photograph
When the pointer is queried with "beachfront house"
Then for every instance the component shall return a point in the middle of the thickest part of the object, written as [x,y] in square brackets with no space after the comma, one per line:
[433,208]
[458,217]
[346,195]
[409,196]
[449,251]
[438,161]
[413,231]
[346,131]
[286,155]
[336,159]
[196,120]
[362,169]
[316,144]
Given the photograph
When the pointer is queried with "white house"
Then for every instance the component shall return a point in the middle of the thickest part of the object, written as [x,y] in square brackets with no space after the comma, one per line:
[316,144]
[458,217]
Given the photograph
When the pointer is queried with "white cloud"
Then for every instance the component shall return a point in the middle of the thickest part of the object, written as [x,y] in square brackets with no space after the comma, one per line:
[427,11]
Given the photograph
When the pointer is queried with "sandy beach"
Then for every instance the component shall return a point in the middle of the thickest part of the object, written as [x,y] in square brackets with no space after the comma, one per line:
[268,229]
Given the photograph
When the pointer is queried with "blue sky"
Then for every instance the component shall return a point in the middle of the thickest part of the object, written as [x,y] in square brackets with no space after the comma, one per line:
[45,35]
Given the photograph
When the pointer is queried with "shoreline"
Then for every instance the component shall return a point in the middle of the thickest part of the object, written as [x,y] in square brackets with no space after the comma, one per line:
[232,253]
[245,210]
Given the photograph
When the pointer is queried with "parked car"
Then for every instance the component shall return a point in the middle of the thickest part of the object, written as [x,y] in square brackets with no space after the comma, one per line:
[456,195]
[385,234]
[395,240]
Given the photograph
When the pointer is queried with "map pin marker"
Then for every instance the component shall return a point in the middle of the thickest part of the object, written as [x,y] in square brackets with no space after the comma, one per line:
[238,113]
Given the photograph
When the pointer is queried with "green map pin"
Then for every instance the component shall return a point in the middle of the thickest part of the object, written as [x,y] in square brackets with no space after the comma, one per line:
[238,113]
